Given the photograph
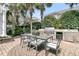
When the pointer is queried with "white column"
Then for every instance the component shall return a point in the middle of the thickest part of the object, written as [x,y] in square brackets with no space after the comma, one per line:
[1,21]
[4,23]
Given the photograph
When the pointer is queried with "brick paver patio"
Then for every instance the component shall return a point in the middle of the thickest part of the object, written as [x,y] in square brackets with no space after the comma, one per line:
[13,48]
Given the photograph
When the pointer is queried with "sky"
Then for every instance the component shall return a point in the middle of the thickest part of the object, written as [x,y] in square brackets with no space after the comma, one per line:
[54,8]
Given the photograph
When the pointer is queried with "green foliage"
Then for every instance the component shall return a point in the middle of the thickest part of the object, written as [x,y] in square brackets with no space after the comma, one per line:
[24,9]
[50,21]
[9,17]
[18,31]
[36,25]
[24,29]
[70,20]
[9,32]
[57,24]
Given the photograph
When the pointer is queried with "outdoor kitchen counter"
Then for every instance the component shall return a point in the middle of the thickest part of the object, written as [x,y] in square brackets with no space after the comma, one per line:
[66,30]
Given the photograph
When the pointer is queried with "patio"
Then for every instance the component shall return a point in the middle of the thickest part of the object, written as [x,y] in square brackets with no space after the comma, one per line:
[13,48]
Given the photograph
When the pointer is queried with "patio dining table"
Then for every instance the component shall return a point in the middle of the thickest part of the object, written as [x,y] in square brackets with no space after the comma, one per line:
[38,40]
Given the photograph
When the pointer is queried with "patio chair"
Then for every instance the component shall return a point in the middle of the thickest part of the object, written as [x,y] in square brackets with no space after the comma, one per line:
[55,45]
[50,31]
[39,41]
[31,40]
[25,39]
[36,42]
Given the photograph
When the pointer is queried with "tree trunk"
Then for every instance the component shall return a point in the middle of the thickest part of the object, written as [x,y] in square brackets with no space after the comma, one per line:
[41,18]
[13,29]
[31,14]
[31,26]
[13,24]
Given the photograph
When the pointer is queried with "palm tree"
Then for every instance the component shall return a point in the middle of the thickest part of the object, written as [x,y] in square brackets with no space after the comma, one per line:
[71,5]
[42,7]
[23,13]
[28,7]
[31,10]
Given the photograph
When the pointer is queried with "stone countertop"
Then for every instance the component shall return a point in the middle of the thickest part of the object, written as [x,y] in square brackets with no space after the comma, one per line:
[61,30]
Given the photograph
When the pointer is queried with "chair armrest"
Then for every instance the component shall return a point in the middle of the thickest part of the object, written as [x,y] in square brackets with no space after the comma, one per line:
[51,36]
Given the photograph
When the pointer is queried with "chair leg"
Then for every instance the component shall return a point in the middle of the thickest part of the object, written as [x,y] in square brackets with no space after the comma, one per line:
[56,52]
[21,44]
[36,51]
[29,46]
[46,52]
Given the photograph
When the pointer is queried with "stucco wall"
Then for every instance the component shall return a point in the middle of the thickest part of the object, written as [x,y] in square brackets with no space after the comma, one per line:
[71,36]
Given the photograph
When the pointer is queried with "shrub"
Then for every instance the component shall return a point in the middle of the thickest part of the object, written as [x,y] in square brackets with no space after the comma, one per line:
[50,21]
[70,20]
[24,29]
